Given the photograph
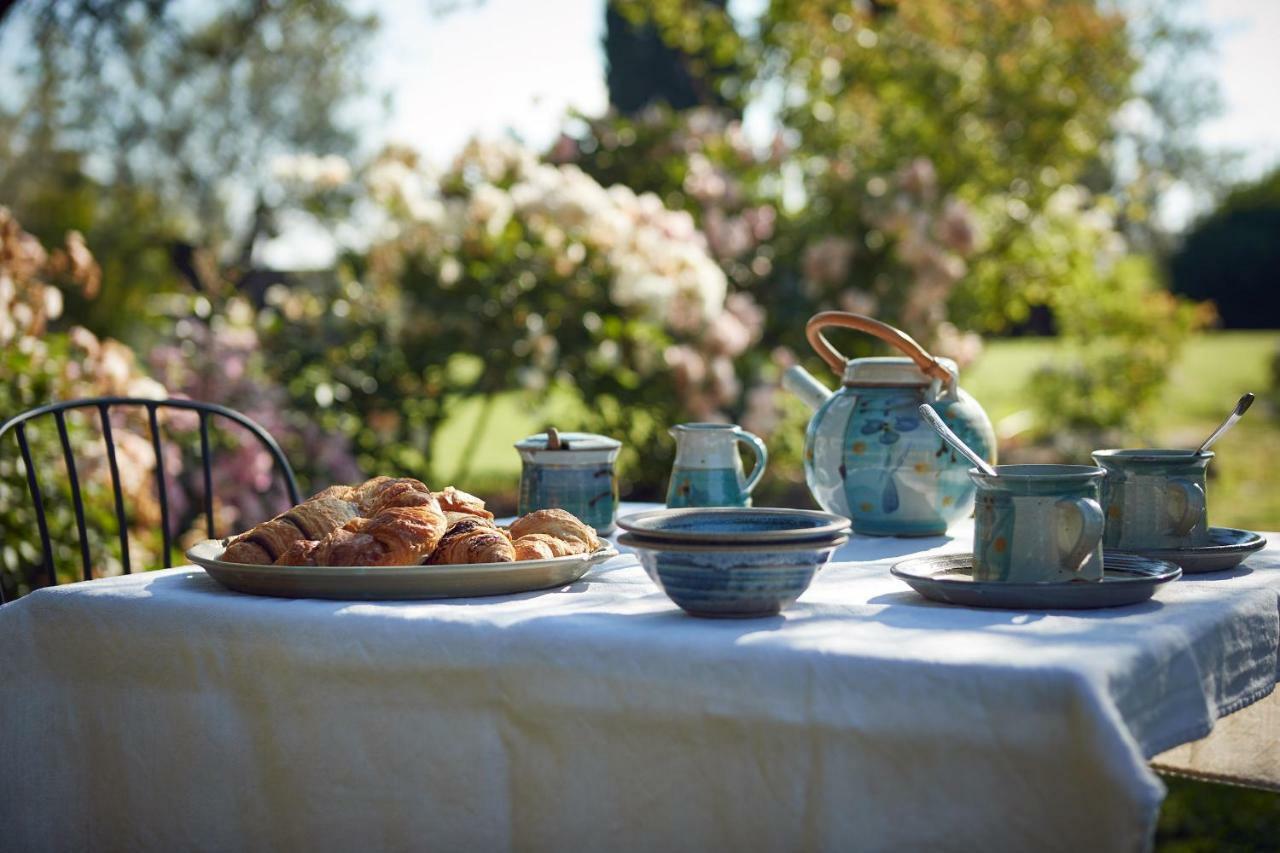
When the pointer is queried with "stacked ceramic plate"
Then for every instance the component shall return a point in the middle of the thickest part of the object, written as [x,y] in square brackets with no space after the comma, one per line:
[733,562]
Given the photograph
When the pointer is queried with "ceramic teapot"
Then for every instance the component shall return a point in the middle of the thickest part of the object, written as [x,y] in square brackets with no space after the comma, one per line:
[868,455]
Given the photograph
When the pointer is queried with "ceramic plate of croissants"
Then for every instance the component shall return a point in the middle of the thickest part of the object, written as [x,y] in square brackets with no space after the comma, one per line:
[393,538]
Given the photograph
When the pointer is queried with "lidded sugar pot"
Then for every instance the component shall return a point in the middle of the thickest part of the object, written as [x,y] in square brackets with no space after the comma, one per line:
[572,471]
[868,455]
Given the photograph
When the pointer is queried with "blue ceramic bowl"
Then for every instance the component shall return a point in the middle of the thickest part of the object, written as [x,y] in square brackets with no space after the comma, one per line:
[732,580]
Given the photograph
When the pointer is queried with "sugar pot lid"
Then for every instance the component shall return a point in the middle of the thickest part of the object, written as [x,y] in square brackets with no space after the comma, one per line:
[553,439]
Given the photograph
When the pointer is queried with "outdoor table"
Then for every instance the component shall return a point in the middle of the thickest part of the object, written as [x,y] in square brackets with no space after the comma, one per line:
[161,711]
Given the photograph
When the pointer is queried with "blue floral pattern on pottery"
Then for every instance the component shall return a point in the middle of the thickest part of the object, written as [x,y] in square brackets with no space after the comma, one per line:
[894,476]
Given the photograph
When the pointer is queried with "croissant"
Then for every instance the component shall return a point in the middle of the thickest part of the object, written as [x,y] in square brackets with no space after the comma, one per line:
[395,536]
[558,524]
[395,521]
[386,492]
[300,553]
[342,493]
[267,542]
[473,540]
[540,546]
[456,502]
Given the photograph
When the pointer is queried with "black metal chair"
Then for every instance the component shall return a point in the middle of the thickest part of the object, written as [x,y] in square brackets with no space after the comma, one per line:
[104,405]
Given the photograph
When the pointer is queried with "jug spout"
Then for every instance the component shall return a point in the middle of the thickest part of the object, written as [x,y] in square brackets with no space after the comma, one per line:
[800,382]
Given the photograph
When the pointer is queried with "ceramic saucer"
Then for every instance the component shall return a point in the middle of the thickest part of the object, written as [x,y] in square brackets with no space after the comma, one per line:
[1127,579]
[1226,549]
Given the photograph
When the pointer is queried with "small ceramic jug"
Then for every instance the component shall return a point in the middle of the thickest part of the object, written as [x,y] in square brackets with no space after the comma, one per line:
[708,470]
[1154,498]
[1038,524]
[572,471]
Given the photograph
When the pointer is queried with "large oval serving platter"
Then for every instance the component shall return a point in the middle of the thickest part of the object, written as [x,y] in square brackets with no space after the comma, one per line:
[391,583]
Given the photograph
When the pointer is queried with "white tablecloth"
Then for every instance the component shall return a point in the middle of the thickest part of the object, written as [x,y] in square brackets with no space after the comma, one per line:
[161,712]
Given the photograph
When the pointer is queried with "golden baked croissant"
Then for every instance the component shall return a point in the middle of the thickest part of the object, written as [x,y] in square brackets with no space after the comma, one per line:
[393,521]
[455,503]
[385,492]
[540,546]
[299,554]
[267,542]
[558,524]
[395,536]
[473,540]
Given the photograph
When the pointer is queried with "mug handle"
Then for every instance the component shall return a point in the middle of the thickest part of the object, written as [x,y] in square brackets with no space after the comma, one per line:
[1192,505]
[762,458]
[1092,523]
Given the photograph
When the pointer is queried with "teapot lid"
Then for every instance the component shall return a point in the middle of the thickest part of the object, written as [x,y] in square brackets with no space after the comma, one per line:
[553,439]
[890,371]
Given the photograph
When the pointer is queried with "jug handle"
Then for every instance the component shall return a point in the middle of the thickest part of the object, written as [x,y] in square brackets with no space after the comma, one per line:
[894,337]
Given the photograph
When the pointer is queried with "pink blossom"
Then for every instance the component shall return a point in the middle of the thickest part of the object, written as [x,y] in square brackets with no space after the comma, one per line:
[728,335]
[858,301]
[827,261]
[724,381]
[919,178]
[957,227]
[761,220]
[762,411]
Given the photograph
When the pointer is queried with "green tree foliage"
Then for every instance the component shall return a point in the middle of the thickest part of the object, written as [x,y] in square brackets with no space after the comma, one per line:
[1233,255]
[151,126]
[944,166]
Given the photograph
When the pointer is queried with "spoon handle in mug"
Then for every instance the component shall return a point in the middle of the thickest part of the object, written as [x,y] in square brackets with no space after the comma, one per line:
[935,420]
[1236,414]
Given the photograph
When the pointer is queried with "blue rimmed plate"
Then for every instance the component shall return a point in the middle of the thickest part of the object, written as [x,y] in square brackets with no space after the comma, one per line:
[949,579]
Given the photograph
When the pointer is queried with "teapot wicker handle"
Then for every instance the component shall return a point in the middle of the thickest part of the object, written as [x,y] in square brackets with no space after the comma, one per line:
[894,337]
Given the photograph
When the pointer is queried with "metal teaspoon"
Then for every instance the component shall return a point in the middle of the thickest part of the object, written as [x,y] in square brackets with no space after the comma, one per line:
[1241,407]
[927,412]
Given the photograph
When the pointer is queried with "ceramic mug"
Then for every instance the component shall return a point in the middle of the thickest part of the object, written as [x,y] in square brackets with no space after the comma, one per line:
[1038,524]
[708,470]
[1154,498]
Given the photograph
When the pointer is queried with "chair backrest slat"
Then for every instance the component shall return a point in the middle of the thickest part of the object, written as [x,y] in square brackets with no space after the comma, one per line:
[122,521]
[33,484]
[206,461]
[163,492]
[76,500]
[104,405]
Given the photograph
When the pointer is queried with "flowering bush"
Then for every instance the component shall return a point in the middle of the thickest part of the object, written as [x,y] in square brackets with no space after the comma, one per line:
[502,272]
[220,359]
[38,365]
[217,359]
[920,154]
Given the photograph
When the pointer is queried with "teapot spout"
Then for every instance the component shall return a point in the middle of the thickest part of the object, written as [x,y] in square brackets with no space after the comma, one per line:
[800,382]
